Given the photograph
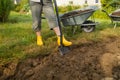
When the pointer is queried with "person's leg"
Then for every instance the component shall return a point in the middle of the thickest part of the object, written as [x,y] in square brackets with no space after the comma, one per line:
[57,31]
[36,9]
[51,18]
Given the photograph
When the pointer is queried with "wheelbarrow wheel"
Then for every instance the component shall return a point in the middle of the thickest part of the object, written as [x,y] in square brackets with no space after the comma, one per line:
[89,28]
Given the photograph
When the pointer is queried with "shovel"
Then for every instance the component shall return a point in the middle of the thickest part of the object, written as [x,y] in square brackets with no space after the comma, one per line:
[62,49]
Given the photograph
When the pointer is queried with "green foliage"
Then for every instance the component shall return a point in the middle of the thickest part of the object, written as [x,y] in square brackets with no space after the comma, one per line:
[26,7]
[63,9]
[104,2]
[115,3]
[110,3]
[102,15]
[17,8]
[5,8]
[21,5]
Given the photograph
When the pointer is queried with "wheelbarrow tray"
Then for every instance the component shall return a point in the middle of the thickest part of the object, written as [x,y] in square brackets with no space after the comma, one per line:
[115,16]
[77,17]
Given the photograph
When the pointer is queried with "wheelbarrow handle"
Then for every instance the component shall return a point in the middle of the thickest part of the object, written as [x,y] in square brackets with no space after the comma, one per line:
[107,14]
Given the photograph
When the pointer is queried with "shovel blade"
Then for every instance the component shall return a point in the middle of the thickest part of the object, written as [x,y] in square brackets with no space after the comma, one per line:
[64,50]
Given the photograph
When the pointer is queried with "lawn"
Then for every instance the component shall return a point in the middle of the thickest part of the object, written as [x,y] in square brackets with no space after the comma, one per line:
[18,41]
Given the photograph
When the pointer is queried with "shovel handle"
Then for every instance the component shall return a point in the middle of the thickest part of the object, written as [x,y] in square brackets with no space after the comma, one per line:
[58,19]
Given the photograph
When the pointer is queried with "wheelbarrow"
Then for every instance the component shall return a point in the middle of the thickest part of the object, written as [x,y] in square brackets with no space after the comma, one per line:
[114,16]
[79,18]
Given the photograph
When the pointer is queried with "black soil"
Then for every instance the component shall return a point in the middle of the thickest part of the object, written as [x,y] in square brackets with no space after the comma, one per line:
[86,61]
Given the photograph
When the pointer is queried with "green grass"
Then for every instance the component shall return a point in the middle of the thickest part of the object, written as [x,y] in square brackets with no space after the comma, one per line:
[18,41]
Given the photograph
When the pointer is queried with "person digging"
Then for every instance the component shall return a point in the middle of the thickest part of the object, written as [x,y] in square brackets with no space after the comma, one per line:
[37,6]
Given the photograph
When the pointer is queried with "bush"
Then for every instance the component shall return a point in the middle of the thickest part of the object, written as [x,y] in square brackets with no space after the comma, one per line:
[5,8]
[63,9]
[21,5]
[26,7]
[107,4]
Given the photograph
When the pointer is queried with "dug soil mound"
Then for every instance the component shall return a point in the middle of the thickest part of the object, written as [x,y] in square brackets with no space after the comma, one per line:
[86,61]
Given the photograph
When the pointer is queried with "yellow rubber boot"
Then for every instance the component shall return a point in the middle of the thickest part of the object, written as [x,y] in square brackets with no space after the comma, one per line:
[39,41]
[64,41]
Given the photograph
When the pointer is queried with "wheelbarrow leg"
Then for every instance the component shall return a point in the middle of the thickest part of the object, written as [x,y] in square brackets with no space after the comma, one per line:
[115,25]
[74,29]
